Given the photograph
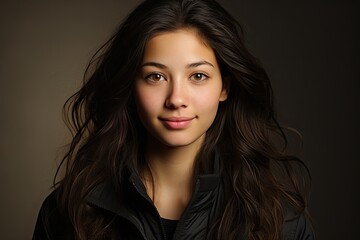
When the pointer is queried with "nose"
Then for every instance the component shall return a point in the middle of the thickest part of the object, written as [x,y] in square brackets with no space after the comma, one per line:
[177,96]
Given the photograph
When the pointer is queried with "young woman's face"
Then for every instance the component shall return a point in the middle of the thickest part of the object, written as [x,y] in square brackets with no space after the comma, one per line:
[178,88]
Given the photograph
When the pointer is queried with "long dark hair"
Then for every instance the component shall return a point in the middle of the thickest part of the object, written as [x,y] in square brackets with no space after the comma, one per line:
[258,176]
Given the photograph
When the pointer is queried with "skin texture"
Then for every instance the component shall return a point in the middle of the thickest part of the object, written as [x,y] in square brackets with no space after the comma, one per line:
[178,91]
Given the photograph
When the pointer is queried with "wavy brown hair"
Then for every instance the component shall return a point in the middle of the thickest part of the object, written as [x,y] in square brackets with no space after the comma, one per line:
[258,176]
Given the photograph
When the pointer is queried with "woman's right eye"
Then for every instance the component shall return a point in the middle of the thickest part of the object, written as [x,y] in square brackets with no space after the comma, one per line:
[155,77]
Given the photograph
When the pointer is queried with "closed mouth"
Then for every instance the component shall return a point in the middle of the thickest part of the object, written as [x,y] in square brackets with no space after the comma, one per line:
[176,123]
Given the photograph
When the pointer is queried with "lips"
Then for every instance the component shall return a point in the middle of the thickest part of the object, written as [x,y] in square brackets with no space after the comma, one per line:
[176,123]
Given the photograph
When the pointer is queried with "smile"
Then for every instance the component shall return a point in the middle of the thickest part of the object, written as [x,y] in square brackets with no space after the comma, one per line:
[176,122]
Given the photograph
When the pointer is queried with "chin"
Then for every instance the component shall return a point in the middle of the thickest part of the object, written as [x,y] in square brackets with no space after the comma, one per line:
[176,141]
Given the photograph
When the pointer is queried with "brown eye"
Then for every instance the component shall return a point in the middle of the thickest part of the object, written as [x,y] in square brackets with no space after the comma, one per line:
[198,77]
[155,77]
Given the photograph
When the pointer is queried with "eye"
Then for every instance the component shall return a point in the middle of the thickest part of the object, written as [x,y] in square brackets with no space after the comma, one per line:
[199,77]
[155,77]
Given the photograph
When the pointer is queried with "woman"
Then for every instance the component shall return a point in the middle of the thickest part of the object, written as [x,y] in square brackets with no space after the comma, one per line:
[173,138]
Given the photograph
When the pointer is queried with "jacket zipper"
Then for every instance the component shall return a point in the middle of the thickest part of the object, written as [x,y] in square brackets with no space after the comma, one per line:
[146,197]
[180,224]
[124,217]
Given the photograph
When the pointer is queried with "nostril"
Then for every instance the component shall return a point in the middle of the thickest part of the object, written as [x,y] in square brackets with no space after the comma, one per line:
[170,105]
[174,104]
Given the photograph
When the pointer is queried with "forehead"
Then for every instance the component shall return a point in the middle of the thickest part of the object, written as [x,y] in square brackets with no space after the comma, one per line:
[186,44]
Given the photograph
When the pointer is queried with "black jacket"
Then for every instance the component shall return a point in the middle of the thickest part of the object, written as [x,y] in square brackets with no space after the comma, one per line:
[137,217]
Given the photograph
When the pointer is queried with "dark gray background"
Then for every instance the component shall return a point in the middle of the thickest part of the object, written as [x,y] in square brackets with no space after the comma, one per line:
[310,50]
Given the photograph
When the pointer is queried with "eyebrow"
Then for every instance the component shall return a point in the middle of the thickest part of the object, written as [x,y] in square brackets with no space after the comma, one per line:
[190,65]
[196,64]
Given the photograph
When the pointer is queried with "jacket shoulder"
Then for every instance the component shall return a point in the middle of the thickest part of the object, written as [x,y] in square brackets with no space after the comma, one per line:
[298,228]
[51,223]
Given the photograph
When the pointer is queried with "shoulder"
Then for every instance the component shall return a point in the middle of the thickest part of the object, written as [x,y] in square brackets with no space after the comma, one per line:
[49,204]
[51,223]
[297,227]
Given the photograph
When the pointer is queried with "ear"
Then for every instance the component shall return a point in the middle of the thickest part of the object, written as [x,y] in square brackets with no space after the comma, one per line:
[225,89]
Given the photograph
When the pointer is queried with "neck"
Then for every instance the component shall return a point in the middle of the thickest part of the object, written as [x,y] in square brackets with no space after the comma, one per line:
[170,180]
[172,166]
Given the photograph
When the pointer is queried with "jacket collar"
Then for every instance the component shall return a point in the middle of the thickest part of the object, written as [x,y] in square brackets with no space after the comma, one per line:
[105,196]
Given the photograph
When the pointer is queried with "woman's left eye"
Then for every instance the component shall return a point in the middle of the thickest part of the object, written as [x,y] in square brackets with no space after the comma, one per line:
[198,77]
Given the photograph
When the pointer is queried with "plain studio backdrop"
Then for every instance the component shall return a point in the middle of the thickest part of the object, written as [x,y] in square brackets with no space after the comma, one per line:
[310,50]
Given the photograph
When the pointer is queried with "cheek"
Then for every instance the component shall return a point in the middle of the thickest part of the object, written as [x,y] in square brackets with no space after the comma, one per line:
[207,111]
[208,101]
[147,102]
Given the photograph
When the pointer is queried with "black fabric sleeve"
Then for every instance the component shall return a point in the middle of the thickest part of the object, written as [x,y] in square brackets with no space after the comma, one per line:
[50,223]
